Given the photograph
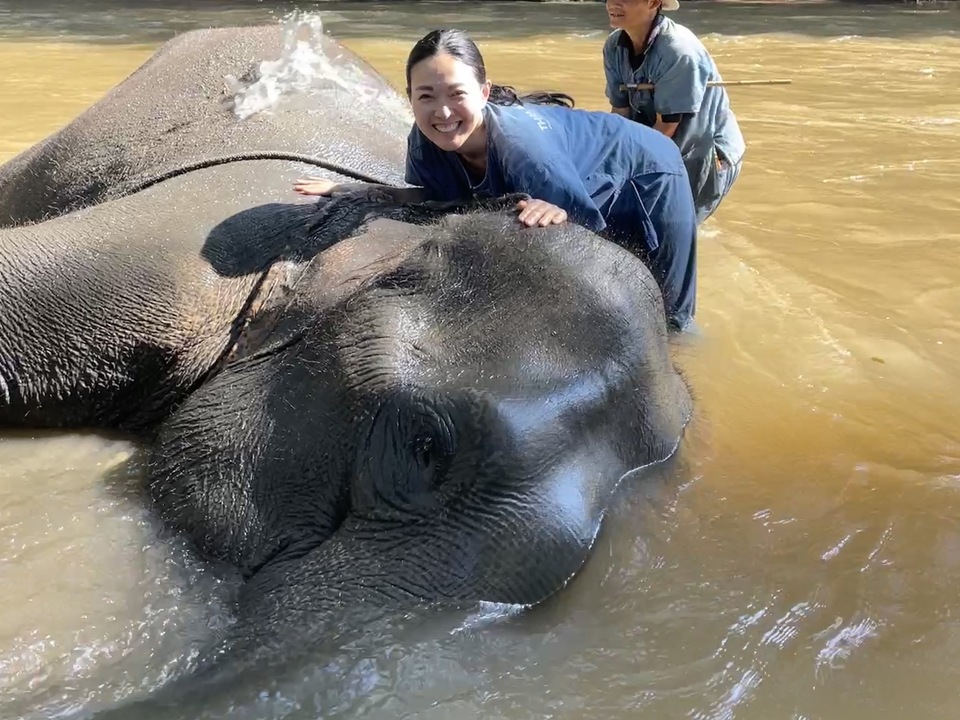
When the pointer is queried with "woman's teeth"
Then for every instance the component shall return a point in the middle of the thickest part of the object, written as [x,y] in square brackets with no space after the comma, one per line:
[448,127]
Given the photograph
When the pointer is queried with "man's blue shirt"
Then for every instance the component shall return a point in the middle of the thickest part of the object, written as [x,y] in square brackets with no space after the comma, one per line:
[679,67]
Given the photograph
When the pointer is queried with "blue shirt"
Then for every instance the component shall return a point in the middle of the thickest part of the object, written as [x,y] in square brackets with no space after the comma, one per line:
[679,66]
[578,160]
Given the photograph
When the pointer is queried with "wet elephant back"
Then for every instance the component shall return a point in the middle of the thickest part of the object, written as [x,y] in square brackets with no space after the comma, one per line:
[112,314]
[176,112]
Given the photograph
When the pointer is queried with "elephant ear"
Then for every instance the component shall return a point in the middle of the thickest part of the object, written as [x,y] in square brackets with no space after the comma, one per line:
[338,218]
[246,467]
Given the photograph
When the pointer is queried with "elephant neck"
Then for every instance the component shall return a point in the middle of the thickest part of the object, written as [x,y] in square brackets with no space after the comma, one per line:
[266,305]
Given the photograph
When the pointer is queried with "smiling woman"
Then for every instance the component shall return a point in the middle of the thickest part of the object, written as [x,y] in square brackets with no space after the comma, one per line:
[473,139]
[646,47]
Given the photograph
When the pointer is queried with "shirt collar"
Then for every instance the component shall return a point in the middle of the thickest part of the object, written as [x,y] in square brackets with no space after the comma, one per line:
[656,28]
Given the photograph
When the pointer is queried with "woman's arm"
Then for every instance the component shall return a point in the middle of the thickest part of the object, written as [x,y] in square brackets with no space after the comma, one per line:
[556,181]
[540,212]
[321,186]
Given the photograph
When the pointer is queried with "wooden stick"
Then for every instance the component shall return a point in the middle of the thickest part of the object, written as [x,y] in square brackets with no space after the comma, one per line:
[711,83]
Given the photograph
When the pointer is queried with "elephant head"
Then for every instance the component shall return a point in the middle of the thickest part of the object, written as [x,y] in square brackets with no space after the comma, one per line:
[442,419]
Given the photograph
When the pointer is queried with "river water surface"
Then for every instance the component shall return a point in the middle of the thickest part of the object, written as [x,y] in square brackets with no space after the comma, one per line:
[799,560]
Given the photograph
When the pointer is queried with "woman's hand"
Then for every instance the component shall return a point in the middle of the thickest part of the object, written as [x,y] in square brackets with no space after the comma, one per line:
[540,212]
[314,186]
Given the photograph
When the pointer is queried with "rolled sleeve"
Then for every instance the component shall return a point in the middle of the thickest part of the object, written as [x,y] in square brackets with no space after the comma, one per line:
[612,71]
[680,86]
[412,175]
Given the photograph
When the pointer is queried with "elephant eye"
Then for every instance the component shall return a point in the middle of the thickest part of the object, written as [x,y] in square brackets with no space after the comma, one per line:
[407,455]
[432,454]
[424,449]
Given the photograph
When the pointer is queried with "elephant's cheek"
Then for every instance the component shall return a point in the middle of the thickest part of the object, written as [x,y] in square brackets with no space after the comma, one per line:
[530,544]
[340,584]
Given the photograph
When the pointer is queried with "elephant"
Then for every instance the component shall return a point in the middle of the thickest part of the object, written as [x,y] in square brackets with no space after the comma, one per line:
[167,133]
[357,403]
[177,112]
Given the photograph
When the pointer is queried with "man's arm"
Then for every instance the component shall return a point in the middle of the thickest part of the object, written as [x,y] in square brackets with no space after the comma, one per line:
[679,90]
[619,99]
[668,124]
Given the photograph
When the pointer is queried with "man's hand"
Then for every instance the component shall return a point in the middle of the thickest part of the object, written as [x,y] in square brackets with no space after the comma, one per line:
[540,212]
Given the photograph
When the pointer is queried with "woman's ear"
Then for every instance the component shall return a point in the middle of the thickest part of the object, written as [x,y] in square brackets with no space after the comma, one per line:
[485,90]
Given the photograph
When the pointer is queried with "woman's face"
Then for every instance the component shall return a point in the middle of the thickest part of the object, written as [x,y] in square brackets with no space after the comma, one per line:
[448,103]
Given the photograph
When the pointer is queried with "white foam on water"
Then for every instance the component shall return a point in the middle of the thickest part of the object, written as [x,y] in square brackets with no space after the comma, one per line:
[304,69]
[488,613]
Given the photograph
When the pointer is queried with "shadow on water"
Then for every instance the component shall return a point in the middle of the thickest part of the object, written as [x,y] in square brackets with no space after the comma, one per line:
[154,21]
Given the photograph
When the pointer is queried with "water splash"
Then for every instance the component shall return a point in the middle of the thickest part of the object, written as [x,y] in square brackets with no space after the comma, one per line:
[839,646]
[305,70]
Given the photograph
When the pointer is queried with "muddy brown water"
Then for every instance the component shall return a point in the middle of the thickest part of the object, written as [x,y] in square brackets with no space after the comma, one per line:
[801,557]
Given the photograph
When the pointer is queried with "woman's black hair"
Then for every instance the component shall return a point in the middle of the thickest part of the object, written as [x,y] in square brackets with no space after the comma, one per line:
[457,44]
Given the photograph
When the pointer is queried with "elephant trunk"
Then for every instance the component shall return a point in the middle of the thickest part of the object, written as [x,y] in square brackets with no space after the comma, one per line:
[312,602]
[303,611]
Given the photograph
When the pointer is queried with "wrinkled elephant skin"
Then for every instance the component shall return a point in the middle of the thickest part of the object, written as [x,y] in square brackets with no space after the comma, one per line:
[356,403]
[174,114]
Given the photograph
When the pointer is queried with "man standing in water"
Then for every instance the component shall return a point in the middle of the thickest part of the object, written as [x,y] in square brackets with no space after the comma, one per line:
[647,47]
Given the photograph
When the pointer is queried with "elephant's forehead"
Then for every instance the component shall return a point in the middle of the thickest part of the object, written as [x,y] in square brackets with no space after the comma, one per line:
[453,317]
[456,305]
[424,344]
[383,239]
